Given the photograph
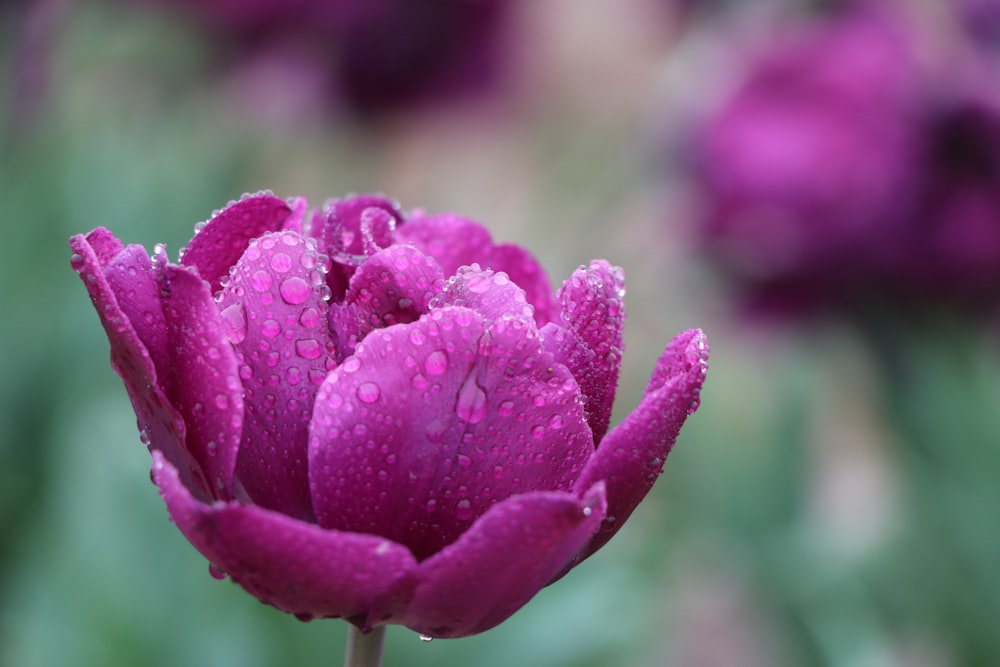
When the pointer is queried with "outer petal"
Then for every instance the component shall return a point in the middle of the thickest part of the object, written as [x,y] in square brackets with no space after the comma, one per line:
[502,561]
[293,565]
[222,240]
[593,309]
[275,311]
[161,425]
[631,456]
[431,423]
[203,382]
[130,275]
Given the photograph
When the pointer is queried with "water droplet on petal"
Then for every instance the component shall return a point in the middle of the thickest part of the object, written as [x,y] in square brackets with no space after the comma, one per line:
[308,348]
[294,290]
[436,362]
[270,328]
[216,571]
[507,408]
[471,404]
[426,638]
[261,281]
[235,321]
[368,392]
[281,262]
[463,509]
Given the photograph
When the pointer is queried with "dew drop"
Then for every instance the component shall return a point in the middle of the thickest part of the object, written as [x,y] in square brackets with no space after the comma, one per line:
[308,348]
[436,362]
[426,638]
[281,262]
[478,283]
[216,571]
[471,403]
[309,318]
[261,281]
[463,509]
[235,321]
[435,430]
[368,392]
[270,328]
[294,290]
[507,408]
[538,432]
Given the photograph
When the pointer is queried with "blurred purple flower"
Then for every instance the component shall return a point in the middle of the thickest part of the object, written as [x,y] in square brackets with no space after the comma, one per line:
[848,165]
[378,54]
[385,418]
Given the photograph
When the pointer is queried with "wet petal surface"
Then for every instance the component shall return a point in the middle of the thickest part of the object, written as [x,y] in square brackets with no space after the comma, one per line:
[292,565]
[593,311]
[161,426]
[275,312]
[202,383]
[224,238]
[431,423]
[631,456]
[502,561]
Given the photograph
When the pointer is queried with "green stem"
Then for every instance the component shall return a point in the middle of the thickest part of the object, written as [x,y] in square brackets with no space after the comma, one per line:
[364,650]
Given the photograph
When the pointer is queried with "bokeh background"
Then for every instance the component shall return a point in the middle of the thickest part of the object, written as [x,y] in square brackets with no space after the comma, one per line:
[834,502]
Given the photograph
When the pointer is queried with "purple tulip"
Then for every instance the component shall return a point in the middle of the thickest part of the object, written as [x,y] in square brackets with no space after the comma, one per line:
[385,418]
[853,163]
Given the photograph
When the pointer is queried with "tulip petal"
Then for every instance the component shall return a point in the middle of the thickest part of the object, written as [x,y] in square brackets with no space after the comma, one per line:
[502,561]
[202,384]
[431,423]
[394,286]
[275,313]
[224,238]
[295,566]
[350,229]
[160,423]
[593,309]
[631,456]
[527,273]
[490,294]
[450,239]
[455,241]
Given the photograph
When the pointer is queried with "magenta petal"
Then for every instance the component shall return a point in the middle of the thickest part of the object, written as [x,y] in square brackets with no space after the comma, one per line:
[450,239]
[502,561]
[222,240]
[394,286]
[202,383]
[593,309]
[161,425]
[431,423]
[341,229]
[130,273]
[631,456]
[492,295]
[524,269]
[295,566]
[275,313]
